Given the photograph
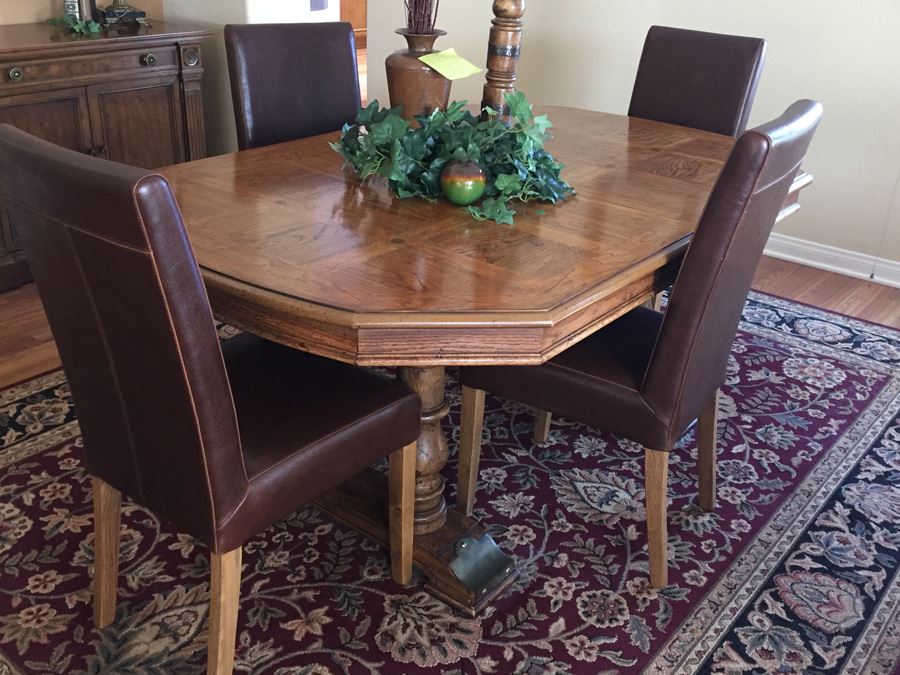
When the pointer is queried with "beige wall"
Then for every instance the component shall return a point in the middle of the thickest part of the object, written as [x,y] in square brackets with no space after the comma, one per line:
[584,53]
[213,14]
[467,23]
[298,11]
[31,11]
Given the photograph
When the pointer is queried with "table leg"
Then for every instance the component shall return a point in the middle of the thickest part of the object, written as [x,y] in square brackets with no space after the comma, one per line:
[461,563]
[431,506]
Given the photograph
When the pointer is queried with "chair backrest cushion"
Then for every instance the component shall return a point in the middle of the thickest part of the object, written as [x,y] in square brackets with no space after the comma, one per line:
[699,80]
[691,354]
[291,81]
[128,310]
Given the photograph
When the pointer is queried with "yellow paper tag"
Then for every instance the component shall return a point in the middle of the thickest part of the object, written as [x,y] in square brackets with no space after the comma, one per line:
[450,64]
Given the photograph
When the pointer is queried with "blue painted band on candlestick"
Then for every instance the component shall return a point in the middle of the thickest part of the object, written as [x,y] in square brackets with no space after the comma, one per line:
[510,51]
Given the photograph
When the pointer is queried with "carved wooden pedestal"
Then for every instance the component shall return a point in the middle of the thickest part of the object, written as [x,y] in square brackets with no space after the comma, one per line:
[431,507]
[462,567]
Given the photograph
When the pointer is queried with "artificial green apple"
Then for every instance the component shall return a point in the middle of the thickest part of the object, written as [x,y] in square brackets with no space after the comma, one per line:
[463,183]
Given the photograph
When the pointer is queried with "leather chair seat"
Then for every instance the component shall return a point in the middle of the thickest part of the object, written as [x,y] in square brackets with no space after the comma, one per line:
[354,417]
[608,366]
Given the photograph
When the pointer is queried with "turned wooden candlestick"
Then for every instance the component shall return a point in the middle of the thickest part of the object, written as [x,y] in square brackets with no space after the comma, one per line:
[504,48]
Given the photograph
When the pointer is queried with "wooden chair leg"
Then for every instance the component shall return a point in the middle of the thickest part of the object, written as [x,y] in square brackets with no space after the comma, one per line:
[542,420]
[224,599]
[469,448]
[706,454]
[402,504]
[107,510]
[656,480]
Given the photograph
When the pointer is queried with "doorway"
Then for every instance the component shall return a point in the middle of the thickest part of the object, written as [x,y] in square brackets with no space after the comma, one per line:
[355,12]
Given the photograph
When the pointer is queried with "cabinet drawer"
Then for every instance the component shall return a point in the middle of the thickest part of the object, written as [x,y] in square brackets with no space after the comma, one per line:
[17,75]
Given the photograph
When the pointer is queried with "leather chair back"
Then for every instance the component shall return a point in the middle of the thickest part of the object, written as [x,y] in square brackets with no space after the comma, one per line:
[691,353]
[699,80]
[291,81]
[130,316]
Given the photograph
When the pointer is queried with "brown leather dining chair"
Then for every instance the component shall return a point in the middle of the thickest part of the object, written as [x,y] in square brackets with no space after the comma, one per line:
[696,79]
[648,375]
[291,81]
[220,441]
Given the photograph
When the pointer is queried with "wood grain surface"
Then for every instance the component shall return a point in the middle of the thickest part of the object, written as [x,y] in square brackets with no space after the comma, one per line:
[295,249]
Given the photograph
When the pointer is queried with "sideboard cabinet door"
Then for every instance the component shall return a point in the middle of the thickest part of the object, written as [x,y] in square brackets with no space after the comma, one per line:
[57,116]
[139,122]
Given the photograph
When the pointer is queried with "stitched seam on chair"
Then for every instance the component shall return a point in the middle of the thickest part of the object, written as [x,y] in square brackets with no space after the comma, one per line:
[237,508]
[780,178]
[234,418]
[582,373]
[324,438]
[115,377]
[69,226]
[708,298]
[165,299]
[237,426]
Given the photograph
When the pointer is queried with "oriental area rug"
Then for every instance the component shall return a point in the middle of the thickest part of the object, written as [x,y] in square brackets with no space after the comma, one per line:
[795,572]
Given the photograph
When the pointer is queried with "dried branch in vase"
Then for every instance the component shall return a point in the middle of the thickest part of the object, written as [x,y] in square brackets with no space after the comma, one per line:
[421,16]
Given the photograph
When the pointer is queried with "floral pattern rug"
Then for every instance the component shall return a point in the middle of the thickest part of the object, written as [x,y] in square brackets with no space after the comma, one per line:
[796,571]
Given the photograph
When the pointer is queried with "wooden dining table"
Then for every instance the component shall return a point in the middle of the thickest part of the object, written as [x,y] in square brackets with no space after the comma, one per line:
[294,248]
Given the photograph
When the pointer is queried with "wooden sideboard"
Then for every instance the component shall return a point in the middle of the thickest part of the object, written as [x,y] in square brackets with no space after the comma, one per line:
[132,95]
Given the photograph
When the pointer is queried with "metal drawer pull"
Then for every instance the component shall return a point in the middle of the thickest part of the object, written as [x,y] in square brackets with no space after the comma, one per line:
[16,74]
[148,60]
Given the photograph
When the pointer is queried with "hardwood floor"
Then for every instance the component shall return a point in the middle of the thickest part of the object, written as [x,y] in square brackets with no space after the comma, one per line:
[27,348]
[853,297]
[26,345]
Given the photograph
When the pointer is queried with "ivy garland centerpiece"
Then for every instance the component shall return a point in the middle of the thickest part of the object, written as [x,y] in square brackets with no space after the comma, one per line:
[512,157]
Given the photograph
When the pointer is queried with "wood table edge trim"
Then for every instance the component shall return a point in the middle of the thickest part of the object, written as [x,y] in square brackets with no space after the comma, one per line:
[370,338]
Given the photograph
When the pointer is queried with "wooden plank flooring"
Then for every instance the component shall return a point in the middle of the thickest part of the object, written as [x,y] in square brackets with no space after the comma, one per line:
[853,297]
[26,345]
[27,348]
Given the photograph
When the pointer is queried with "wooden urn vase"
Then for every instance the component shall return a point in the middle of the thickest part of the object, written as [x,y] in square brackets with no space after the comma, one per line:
[411,83]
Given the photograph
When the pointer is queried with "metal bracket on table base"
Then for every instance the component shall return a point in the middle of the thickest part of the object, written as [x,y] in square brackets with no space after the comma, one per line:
[480,564]
[469,571]
[461,563]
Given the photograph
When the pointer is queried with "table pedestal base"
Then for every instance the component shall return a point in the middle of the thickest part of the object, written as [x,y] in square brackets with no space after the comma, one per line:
[362,504]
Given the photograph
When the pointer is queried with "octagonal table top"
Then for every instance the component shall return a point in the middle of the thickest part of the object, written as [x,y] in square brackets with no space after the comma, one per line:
[294,248]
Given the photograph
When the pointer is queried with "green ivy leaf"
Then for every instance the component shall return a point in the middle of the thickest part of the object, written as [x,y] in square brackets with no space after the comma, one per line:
[519,107]
[389,130]
[508,183]
[493,209]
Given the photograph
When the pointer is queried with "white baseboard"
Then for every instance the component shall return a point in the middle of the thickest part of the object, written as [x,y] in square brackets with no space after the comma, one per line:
[833,259]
